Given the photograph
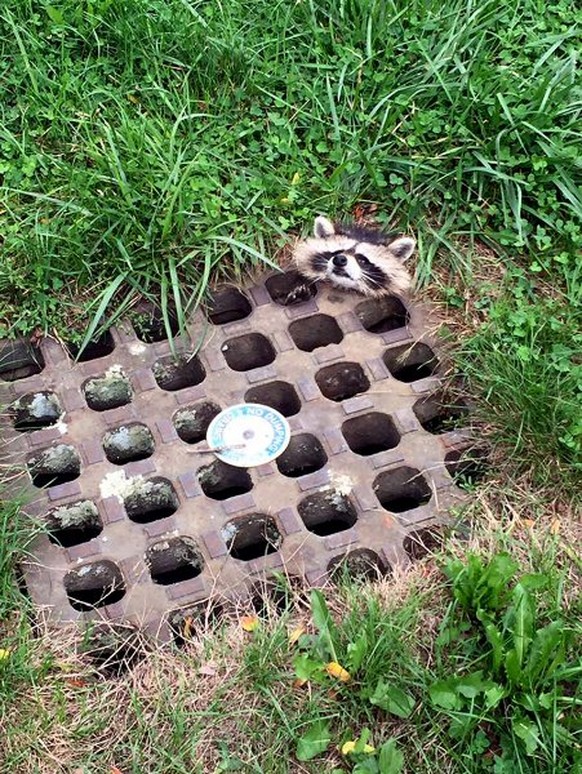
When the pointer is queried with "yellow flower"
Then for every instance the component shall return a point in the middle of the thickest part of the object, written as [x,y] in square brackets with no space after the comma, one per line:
[349,747]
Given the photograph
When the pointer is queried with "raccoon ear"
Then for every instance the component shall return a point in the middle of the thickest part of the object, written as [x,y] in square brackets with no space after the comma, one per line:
[402,248]
[323,227]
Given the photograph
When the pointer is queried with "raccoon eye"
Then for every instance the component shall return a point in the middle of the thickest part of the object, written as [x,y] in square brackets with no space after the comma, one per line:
[362,260]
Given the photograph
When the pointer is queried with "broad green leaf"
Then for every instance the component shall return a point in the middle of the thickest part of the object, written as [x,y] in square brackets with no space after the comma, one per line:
[362,741]
[443,694]
[533,581]
[366,766]
[494,695]
[528,732]
[54,14]
[356,653]
[390,759]
[315,741]
[547,650]
[546,700]
[494,639]
[323,622]
[519,620]
[306,668]
[471,685]
[478,586]
[512,667]
[392,699]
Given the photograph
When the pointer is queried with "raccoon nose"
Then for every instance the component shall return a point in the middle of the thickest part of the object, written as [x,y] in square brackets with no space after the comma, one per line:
[339,260]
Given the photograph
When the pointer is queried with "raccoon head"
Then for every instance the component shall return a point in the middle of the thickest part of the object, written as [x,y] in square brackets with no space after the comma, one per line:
[355,258]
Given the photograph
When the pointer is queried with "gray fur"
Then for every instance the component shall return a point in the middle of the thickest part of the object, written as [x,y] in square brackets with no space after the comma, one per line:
[354,257]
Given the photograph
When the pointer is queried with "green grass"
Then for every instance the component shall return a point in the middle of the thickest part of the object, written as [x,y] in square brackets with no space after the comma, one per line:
[470,670]
[148,146]
[152,147]
[16,639]
[525,365]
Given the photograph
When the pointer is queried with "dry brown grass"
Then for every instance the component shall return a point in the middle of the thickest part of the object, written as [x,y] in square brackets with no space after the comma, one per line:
[77,721]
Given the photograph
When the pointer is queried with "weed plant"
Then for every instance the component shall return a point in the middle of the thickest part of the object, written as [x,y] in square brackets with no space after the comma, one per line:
[474,670]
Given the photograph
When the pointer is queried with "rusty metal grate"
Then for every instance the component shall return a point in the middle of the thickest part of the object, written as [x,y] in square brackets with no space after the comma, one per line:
[142,527]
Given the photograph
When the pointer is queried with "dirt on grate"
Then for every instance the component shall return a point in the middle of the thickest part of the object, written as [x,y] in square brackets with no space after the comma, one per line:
[141,524]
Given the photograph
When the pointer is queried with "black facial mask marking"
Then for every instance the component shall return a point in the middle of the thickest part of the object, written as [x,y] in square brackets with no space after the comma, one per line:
[374,277]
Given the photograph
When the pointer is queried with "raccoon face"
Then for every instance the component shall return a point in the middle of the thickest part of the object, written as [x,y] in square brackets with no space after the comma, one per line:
[355,258]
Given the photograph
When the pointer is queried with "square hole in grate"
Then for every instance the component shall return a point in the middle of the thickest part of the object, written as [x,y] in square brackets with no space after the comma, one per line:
[290,288]
[94,585]
[250,537]
[407,363]
[379,315]
[325,513]
[54,466]
[304,455]
[439,412]
[19,360]
[253,350]
[191,622]
[401,489]
[228,305]
[109,391]
[35,411]
[192,422]
[100,347]
[127,443]
[174,560]
[114,648]
[319,330]
[146,501]
[277,594]
[342,381]
[176,373]
[280,396]
[360,564]
[221,481]
[69,525]
[422,542]
[467,465]
[370,433]
[150,326]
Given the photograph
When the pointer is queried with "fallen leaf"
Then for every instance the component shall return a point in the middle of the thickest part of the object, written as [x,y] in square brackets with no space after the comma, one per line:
[336,670]
[555,527]
[208,669]
[187,631]
[4,653]
[529,523]
[115,770]
[296,633]
[299,682]
[249,622]
[76,682]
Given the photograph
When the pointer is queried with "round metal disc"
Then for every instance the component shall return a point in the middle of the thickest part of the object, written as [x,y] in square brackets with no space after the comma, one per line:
[248,434]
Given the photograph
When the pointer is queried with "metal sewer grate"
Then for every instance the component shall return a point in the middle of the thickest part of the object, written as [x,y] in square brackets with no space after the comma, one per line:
[141,527]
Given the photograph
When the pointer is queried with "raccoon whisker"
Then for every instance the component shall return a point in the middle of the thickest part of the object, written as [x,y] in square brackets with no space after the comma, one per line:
[374,282]
[370,261]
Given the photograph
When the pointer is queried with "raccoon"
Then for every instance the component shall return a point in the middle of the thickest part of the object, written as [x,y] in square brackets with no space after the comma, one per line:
[356,258]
